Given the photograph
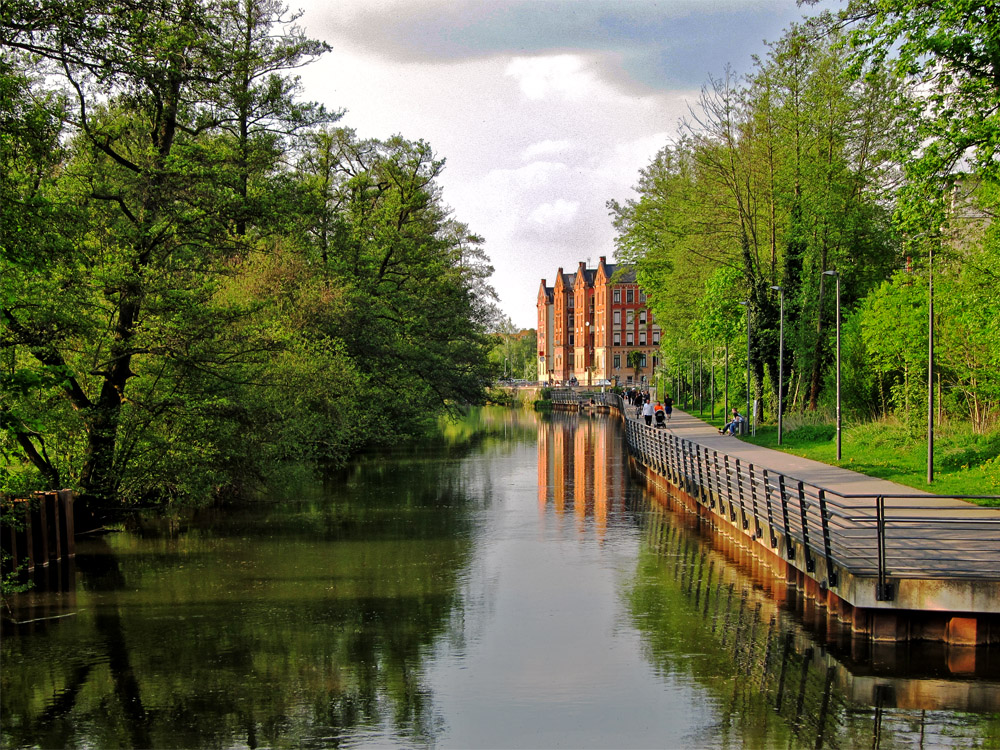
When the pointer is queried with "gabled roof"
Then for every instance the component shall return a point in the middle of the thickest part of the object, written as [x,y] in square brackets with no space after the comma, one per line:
[590,274]
[564,280]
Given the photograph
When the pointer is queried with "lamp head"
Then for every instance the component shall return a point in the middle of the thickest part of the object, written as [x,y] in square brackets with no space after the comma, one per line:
[829,273]
[776,289]
[744,303]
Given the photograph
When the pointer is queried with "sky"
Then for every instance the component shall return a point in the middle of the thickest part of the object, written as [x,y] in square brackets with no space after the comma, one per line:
[544,110]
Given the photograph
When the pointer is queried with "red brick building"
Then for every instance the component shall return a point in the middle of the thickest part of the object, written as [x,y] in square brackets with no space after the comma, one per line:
[587,326]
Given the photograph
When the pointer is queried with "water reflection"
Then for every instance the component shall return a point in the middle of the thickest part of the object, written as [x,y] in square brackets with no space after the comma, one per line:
[581,466]
[293,624]
[504,586]
[709,610]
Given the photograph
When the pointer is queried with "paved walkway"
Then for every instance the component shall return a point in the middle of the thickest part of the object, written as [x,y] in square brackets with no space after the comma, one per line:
[837,478]
[936,539]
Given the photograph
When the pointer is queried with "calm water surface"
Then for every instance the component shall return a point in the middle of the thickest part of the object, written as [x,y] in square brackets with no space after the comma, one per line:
[507,586]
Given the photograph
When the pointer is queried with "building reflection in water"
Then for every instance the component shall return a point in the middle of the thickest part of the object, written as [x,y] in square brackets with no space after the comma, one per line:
[581,470]
[711,611]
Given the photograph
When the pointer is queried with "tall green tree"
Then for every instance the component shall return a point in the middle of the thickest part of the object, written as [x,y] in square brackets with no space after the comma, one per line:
[413,279]
[145,83]
[777,180]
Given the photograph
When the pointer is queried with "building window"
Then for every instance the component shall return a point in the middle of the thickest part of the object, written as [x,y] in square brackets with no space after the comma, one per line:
[642,362]
[618,296]
[655,360]
[642,296]
[642,338]
[656,338]
[629,296]
[642,318]
[618,317]
[618,339]
[629,339]
[630,316]
[570,303]
[571,344]
[618,361]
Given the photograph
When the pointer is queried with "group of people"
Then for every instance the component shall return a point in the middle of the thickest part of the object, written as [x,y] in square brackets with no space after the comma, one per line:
[660,411]
[649,410]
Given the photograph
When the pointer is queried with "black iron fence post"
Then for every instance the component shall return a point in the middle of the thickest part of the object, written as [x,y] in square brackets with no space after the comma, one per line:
[831,572]
[770,514]
[739,493]
[783,496]
[883,590]
[810,562]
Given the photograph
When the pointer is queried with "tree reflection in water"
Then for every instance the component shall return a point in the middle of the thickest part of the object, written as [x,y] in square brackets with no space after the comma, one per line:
[292,624]
[706,613]
[320,620]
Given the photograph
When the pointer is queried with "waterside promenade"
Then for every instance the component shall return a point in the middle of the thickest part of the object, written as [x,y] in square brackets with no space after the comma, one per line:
[890,562]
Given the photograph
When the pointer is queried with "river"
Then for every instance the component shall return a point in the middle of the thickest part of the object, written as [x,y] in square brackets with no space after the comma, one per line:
[507,585]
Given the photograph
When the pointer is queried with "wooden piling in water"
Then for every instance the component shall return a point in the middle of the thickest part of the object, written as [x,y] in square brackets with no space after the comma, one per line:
[38,529]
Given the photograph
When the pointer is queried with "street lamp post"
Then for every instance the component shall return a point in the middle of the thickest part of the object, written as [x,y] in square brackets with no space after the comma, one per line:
[837,277]
[712,382]
[781,354]
[725,406]
[746,304]
[701,389]
[930,363]
[930,355]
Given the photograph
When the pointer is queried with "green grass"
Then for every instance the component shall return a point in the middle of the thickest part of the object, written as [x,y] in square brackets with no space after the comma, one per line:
[964,463]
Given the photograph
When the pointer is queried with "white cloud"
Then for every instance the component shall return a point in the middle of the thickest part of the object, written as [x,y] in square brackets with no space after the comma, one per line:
[555,214]
[543,116]
[544,76]
[546,148]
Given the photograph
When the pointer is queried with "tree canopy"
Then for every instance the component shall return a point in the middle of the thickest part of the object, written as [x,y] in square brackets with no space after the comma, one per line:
[864,143]
[201,274]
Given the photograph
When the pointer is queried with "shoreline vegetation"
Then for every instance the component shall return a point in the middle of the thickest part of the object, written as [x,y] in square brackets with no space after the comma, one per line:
[203,277]
[826,227]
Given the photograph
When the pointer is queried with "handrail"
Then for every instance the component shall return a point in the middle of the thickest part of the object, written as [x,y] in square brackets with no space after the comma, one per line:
[853,532]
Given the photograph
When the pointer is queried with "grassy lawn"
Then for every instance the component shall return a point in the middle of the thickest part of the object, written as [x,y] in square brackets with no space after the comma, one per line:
[964,463]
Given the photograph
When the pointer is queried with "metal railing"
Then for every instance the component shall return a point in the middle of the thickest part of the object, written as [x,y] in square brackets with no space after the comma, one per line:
[911,536]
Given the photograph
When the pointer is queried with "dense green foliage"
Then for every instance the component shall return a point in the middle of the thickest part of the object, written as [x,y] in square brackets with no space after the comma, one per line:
[201,275]
[514,352]
[850,148]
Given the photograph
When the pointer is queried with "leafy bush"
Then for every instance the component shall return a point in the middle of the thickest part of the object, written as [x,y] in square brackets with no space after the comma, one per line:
[884,433]
[971,451]
[813,433]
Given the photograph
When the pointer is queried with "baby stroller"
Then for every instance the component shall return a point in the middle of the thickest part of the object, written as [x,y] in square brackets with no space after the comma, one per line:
[661,418]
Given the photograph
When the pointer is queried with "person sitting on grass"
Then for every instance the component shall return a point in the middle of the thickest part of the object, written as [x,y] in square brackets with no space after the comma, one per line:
[733,426]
